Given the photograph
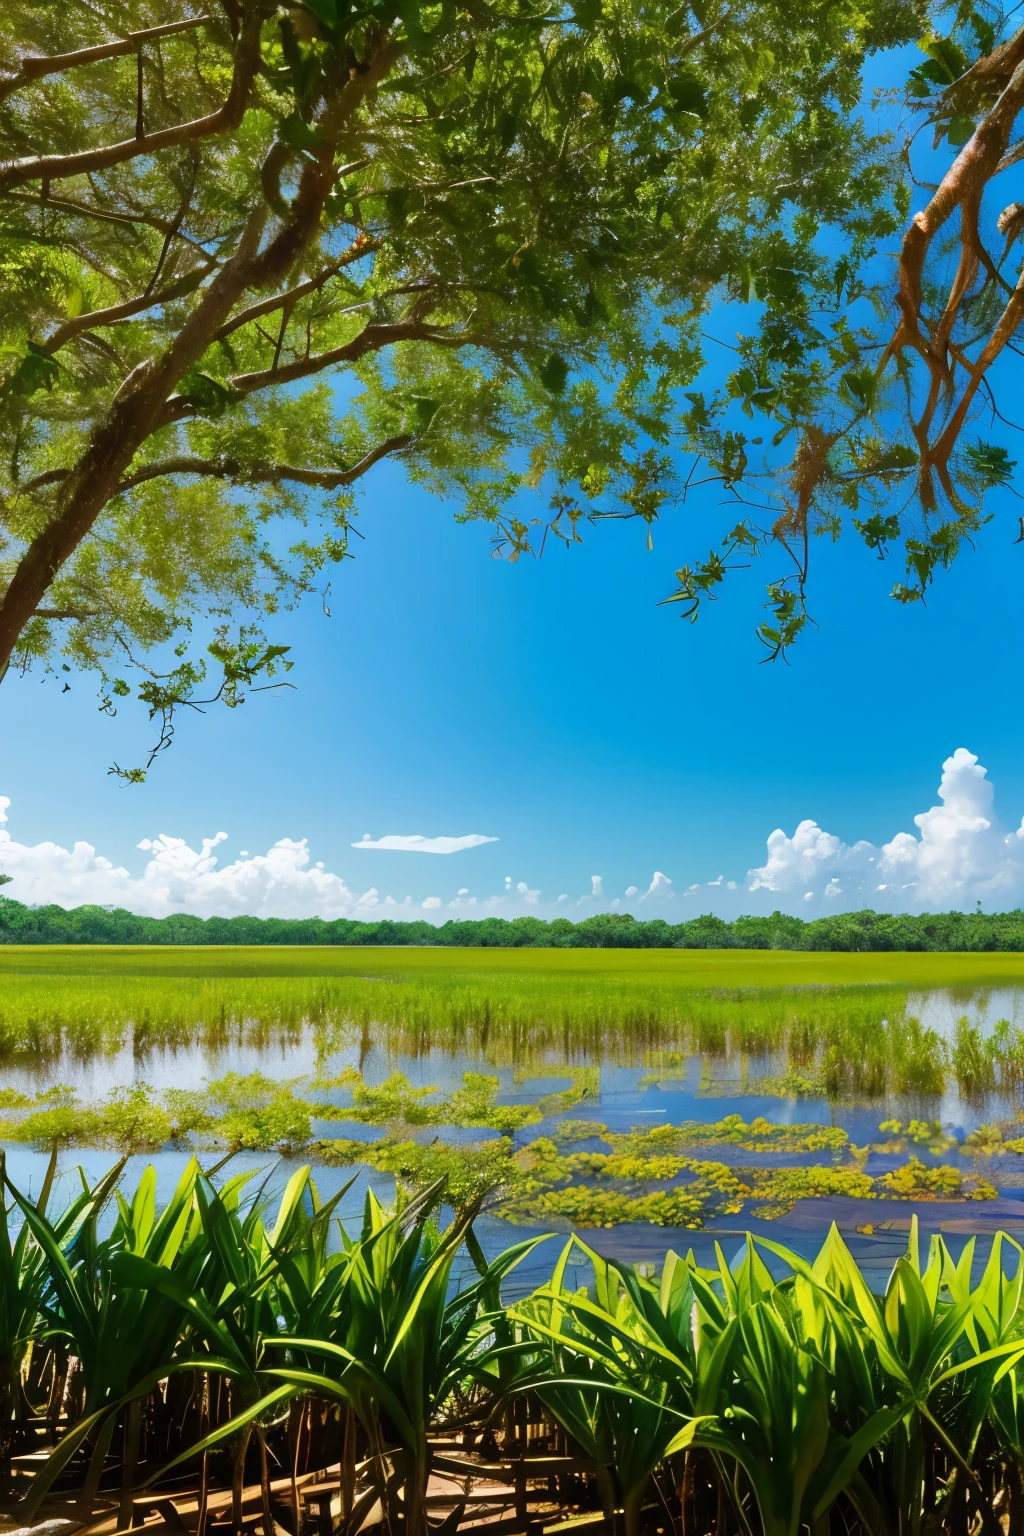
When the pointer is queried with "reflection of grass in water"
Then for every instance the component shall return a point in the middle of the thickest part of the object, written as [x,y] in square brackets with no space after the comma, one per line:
[519,1009]
[89,1016]
[506,1020]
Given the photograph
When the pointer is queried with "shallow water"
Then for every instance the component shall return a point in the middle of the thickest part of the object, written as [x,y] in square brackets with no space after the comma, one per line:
[751,1041]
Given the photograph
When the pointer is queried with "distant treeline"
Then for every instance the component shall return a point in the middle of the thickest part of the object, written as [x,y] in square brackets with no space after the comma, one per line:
[946,931]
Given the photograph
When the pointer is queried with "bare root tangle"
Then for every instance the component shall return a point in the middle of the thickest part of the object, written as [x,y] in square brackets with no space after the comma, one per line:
[954,376]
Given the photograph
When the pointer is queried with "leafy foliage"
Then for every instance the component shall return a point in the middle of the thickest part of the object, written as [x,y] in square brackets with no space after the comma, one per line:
[764,1399]
[248,255]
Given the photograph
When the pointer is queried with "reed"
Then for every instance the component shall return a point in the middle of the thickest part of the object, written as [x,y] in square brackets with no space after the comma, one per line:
[503,1019]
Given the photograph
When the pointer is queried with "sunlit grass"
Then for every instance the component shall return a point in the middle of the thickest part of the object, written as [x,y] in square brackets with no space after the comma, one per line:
[658,968]
[839,1022]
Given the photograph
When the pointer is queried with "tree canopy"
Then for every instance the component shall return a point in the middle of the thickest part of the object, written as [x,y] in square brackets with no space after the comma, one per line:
[249,252]
[935,932]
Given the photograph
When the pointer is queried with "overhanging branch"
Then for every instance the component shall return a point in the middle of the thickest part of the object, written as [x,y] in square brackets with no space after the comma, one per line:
[267,474]
[227,117]
[35,68]
[136,306]
[371,339]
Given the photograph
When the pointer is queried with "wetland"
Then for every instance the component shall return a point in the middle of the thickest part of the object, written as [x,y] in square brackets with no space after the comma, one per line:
[625,1092]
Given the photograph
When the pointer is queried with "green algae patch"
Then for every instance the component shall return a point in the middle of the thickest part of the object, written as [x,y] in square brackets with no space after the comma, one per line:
[648,1174]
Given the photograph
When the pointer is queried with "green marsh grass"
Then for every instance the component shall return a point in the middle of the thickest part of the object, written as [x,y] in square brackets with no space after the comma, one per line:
[829,1024]
[508,1007]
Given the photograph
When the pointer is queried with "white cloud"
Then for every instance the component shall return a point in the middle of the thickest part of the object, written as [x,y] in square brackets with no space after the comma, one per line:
[416,843]
[963,854]
[177,878]
[960,853]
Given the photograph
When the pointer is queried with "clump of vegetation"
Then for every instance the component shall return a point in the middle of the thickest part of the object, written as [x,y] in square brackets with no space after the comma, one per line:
[915,1181]
[582,1206]
[982,1064]
[760,1135]
[646,1174]
[194,1348]
[250,1112]
[791,1084]
[396,1102]
[927,1134]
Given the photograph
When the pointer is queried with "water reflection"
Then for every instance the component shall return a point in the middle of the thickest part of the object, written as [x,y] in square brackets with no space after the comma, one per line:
[852,1058]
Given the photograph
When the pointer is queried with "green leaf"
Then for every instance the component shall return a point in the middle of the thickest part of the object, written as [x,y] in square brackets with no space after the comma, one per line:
[960,130]
[992,463]
[209,396]
[36,370]
[553,373]
[299,134]
[587,13]
[687,94]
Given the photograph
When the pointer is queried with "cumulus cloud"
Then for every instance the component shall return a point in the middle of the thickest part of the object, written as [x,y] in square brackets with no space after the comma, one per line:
[416,843]
[962,854]
[280,883]
[283,882]
[959,854]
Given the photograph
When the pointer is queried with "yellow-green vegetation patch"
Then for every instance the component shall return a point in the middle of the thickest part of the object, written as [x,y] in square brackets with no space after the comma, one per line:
[252,1112]
[693,969]
[760,1135]
[543,1181]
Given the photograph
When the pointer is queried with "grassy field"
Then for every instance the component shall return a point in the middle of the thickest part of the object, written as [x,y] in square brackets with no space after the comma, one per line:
[683,970]
[848,1016]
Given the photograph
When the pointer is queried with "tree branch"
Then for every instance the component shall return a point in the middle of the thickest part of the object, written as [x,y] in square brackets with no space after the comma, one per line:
[66,613]
[134,413]
[268,474]
[291,295]
[48,477]
[144,401]
[970,172]
[98,317]
[224,119]
[372,338]
[82,211]
[34,68]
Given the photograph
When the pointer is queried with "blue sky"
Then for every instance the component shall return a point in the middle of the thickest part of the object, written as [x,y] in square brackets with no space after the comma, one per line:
[554,706]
